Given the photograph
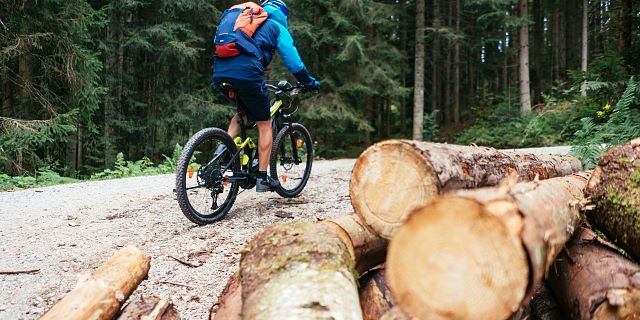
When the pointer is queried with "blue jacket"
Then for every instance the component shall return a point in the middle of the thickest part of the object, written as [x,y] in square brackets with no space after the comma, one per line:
[271,36]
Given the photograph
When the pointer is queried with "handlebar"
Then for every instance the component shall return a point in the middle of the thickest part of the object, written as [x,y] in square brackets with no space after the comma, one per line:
[286,87]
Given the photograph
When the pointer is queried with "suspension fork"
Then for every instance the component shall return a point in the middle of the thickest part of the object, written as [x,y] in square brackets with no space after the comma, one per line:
[294,149]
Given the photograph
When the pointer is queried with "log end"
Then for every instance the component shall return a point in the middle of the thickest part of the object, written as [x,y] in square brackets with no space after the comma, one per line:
[389,180]
[454,260]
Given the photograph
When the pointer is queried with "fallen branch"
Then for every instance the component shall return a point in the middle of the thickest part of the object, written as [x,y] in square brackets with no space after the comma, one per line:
[19,271]
[101,295]
[186,263]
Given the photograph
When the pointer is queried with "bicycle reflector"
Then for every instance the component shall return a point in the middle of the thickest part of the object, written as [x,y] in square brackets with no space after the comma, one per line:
[284,179]
[299,143]
[191,171]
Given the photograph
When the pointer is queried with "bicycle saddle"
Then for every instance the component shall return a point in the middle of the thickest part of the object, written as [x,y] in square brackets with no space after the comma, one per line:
[226,86]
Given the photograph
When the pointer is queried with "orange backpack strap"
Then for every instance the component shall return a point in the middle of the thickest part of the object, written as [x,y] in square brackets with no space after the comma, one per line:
[251,18]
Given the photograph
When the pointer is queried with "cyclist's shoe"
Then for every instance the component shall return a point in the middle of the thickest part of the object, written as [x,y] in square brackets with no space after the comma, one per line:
[268,184]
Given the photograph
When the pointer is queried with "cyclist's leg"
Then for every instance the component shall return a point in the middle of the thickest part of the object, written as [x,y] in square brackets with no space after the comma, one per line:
[264,143]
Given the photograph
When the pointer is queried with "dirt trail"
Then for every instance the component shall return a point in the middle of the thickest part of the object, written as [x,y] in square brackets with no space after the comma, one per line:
[70,229]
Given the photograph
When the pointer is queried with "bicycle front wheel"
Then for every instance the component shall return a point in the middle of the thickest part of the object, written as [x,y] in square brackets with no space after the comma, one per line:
[203,189]
[291,159]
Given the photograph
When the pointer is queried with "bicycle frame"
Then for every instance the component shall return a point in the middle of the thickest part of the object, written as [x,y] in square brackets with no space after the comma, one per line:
[279,120]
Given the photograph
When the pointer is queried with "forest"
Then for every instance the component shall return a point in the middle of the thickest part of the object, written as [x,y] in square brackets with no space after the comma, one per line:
[95,89]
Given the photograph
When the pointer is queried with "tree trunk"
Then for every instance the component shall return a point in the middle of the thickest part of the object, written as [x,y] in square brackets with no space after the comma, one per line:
[149,308]
[309,262]
[592,280]
[456,63]
[7,94]
[229,306]
[585,44]
[615,191]
[481,254]
[435,56]
[525,90]
[447,106]
[393,177]
[375,296]
[26,81]
[418,86]
[101,295]
[368,249]
[626,23]
[538,43]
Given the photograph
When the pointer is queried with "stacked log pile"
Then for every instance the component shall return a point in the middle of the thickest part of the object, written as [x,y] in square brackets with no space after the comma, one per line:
[438,232]
[468,232]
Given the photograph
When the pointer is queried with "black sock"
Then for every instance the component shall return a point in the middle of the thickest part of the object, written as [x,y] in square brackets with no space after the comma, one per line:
[262,175]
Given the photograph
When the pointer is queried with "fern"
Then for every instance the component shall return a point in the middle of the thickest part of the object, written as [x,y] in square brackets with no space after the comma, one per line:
[622,125]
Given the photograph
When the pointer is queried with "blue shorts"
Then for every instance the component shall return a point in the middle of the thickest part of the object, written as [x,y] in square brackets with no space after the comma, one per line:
[253,97]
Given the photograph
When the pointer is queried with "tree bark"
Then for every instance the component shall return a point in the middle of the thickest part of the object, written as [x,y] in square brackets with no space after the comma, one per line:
[149,308]
[229,306]
[592,280]
[626,23]
[525,89]
[396,313]
[101,295]
[435,56]
[418,86]
[375,296]
[456,63]
[393,177]
[7,94]
[584,61]
[481,254]
[368,249]
[538,43]
[309,262]
[543,306]
[615,191]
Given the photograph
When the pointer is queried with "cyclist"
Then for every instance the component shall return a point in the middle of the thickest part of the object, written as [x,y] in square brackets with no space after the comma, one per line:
[245,73]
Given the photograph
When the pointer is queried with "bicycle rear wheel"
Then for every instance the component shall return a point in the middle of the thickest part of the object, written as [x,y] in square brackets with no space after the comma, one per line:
[291,159]
[203,193]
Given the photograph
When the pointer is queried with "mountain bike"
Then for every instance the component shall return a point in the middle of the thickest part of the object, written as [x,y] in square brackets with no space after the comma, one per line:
[209,176]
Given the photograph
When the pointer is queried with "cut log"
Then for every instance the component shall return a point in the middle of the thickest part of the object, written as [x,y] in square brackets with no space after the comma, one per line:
[615,191]
[368,248]
[393,177]
[299,270]
[102,294]
[592,280]
[396,313]
[229,306]
[481,254]
[375,296]
[149,308]
[543,306]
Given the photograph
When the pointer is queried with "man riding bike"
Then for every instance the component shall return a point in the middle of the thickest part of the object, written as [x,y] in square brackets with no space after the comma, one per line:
[245,73]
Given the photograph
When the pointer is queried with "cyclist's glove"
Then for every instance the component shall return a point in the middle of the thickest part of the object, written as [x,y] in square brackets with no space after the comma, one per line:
[309,82]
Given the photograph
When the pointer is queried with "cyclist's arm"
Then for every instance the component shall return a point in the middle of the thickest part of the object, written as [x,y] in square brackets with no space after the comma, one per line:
[291,57]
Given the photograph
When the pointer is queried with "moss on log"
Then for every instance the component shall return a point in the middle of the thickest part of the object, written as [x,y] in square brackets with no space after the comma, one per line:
[299,270]
[615,191]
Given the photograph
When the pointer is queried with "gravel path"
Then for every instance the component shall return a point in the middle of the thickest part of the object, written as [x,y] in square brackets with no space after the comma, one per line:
[71,229]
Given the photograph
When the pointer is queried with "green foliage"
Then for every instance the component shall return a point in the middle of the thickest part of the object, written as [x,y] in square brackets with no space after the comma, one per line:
[502,126]
[43,177]
[143,167]
[605,129]
[430,126]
